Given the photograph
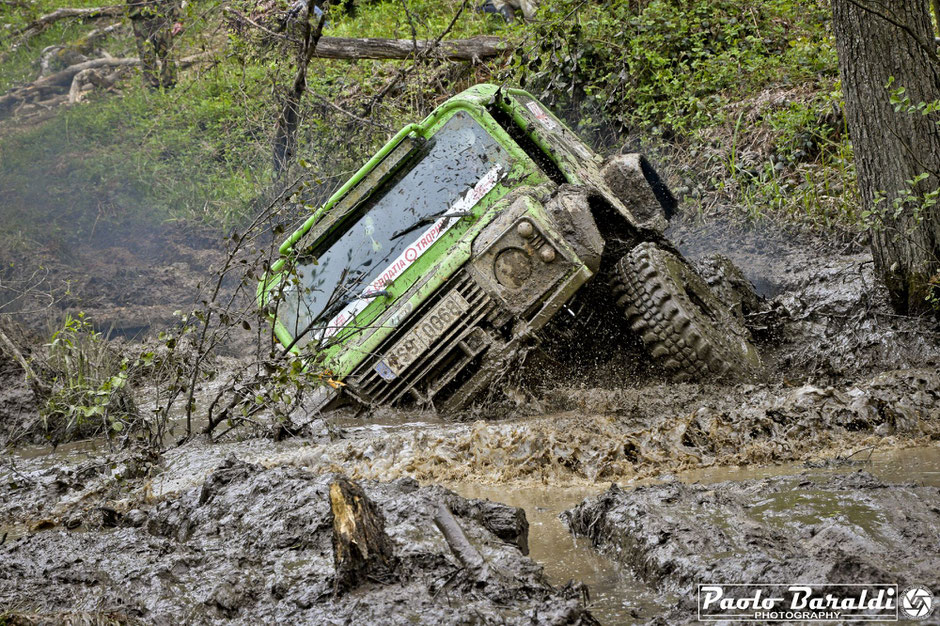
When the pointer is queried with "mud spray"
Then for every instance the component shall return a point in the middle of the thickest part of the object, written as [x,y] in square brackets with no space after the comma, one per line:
[831,466]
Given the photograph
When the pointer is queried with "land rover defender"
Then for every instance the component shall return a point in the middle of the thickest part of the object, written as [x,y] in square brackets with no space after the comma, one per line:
[431,272]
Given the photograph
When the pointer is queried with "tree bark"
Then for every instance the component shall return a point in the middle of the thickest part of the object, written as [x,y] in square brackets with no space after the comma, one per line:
[877,41]
[285,134]
[473,49]
[361,549]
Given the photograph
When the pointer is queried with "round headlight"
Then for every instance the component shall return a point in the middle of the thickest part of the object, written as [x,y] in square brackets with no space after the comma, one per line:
[512,268]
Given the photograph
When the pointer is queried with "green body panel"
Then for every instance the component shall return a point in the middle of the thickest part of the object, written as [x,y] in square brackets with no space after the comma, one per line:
[455,257]
[443,258]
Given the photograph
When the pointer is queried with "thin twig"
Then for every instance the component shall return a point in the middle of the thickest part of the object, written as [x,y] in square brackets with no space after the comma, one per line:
[424,53]
[247,20]
[339,109]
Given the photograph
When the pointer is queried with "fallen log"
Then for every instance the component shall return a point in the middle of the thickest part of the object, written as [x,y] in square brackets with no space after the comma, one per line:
[468,555]
[349,48]
[361,549]
[43,22]
[58,56]
[358,48]
[61,81]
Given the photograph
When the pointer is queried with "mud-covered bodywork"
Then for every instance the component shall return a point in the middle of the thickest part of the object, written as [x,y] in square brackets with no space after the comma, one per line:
[430,273]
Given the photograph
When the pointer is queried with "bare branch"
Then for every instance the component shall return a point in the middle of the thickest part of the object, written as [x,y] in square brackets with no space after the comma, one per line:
[355,117]
[37,26]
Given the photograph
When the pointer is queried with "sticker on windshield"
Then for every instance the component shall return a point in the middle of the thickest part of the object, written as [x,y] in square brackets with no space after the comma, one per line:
[415,250]
[541,116]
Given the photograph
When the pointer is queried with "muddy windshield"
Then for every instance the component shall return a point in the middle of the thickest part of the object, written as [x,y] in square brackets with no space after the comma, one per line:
[390,230]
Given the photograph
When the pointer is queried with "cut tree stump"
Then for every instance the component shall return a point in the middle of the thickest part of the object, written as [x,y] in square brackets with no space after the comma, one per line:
[361,549]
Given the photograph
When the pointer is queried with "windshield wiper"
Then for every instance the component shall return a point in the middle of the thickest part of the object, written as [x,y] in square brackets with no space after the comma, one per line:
[427,221]
[332,310]
[340,304]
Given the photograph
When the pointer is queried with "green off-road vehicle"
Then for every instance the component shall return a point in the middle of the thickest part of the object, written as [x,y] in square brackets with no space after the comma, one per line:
[430,273]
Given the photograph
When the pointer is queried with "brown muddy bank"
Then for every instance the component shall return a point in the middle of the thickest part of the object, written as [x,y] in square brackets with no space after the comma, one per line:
[254,545]
[809,527]
[127,283]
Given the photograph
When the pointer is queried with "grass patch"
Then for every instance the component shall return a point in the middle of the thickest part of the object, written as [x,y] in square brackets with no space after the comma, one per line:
[740,101]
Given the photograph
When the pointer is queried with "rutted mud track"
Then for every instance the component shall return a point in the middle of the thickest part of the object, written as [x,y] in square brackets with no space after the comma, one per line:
[255,545]
[613,435]
[845,376]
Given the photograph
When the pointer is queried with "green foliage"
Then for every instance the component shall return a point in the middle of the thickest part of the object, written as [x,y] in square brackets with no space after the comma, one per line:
[673,77]
[196,152]
[909,200]
[89,384]
[668,66]
[810,173]
[902,103]
[744,95]
[18,58]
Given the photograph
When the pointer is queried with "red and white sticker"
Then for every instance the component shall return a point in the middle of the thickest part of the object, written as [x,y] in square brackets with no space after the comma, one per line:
[543,117]
[407,258]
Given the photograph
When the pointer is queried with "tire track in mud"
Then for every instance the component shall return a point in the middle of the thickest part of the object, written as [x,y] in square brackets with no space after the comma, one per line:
[635,433]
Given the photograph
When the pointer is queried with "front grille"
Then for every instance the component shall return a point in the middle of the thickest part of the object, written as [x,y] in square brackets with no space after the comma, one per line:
[452,352]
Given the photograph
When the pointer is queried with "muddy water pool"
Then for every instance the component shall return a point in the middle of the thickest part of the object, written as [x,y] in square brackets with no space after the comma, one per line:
[616,597]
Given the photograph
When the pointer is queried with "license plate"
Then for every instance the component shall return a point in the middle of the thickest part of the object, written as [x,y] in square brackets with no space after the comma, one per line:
[417,340]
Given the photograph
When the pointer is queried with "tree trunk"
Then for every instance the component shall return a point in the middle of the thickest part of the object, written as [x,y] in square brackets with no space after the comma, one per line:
[878,41]
[285,134]
[361,549]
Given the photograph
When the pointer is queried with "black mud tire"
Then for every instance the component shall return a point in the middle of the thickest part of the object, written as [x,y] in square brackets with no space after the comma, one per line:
[681,322]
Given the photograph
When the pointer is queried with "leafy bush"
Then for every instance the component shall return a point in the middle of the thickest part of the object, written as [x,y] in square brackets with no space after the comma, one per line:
[667,65]
[89,381]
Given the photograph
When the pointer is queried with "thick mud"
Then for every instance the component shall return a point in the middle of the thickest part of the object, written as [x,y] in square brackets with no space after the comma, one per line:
[845,378]
[826,317]
[254,545]
[615,435]
[818,527]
